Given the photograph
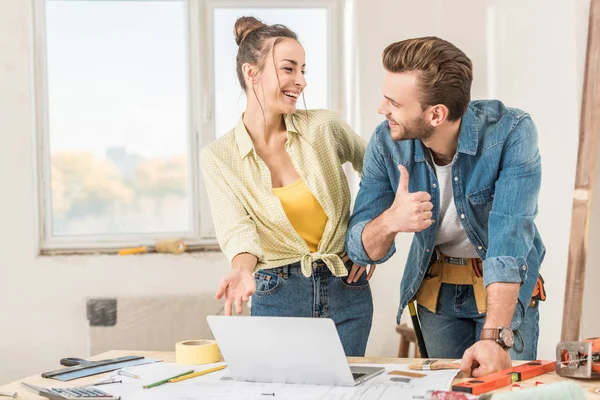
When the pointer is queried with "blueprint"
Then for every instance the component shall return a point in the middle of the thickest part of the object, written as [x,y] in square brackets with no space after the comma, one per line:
[220,386]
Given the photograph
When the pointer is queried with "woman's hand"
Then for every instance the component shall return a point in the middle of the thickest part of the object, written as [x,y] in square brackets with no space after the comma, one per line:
[238,285]
[357,271]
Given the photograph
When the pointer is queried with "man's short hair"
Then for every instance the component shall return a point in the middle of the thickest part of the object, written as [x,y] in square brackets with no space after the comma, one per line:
[445,72]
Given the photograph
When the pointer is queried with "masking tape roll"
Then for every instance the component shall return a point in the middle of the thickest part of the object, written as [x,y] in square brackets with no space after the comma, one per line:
[197,352]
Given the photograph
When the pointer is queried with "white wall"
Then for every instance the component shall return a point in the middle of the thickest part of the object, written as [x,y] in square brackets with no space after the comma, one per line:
[42,299]
[527,54]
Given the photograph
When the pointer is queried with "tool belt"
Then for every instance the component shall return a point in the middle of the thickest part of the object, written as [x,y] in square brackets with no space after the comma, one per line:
[462,271]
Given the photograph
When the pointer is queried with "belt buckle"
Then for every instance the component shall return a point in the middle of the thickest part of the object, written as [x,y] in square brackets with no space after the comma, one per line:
[455,260]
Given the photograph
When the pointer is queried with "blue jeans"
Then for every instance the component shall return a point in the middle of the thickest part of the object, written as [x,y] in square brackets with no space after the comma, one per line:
[457,325]
[285,292]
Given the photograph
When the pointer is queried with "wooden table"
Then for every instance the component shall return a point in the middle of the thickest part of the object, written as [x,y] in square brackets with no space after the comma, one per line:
[170,357]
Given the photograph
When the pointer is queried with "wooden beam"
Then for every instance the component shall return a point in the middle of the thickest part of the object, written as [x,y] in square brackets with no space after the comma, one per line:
[584,180]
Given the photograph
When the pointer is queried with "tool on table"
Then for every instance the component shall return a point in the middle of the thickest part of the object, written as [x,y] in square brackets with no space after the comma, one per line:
[70,393]
[108,381]
[9,394]
[432,364]
[199,373]
[578,359]
[79,368]
[128,374]
[418,333]
[161,246]
[166,380]
[196,352]
[408,374]
[505,377]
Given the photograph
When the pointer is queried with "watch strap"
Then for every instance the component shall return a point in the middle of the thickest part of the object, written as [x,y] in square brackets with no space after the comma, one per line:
[490,334]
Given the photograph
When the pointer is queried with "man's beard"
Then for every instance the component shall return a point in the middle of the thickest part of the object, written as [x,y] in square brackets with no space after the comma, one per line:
[417,130]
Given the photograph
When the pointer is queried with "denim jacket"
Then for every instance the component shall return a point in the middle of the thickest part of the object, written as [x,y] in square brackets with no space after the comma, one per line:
[496,182]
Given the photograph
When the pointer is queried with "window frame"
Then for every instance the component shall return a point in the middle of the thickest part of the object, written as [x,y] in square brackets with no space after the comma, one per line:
[201,123]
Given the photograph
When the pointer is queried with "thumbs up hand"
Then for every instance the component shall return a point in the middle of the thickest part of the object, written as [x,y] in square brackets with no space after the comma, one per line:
[410,212]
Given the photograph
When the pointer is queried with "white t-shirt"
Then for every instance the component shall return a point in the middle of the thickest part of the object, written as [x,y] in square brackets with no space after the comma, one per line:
[451,238]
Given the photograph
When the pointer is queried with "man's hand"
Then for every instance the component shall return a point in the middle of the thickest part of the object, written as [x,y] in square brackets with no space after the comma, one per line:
[485,357]
[237,287]
[410,212]
[357,271]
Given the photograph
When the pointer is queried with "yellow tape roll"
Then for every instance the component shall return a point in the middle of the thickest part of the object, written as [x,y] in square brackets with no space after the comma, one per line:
[197,352]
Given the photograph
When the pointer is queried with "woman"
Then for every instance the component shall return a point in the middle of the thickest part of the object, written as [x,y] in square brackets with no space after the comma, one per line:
[279,197]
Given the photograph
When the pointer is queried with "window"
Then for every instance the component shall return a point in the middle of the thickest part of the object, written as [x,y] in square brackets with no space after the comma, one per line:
[311,26]
[127,94]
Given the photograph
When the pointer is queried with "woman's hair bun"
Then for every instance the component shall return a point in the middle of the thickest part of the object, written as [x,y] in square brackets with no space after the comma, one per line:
[245,26]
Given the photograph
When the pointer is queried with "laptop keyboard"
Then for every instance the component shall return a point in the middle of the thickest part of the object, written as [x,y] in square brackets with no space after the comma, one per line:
[358,375]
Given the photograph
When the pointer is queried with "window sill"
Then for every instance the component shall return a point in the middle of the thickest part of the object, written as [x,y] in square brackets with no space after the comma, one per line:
[190,248]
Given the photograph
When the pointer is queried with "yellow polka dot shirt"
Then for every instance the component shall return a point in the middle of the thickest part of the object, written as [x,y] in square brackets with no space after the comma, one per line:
[249,218]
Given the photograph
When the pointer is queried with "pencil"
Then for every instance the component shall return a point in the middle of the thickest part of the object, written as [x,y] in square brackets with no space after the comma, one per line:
[199,373]
[166,380]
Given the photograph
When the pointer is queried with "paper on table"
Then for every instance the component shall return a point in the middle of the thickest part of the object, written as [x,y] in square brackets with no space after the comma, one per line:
[212,386]
[149,373]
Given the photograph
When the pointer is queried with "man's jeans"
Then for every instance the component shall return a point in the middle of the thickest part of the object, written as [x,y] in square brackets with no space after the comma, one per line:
[457,325]
[285,292]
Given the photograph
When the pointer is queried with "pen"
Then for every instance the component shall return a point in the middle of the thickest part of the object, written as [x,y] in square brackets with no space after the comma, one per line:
[199,373]
[101,383]
[107,381]
[166,380]
[9,394]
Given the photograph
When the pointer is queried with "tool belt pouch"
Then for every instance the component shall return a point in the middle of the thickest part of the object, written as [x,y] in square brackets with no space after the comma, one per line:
[427,295]
[442,272]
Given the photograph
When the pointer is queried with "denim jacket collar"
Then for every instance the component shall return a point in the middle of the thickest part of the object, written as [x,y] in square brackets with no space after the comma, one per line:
[468,137]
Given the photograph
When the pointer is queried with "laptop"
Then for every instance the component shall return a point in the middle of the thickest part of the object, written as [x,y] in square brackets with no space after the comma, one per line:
[286,350]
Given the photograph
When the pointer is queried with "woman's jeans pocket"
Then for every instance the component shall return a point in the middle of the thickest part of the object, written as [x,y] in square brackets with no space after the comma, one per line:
[362,282]
[267,282]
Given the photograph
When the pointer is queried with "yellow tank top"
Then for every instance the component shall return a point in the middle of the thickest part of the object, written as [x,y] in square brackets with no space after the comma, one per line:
[304,212]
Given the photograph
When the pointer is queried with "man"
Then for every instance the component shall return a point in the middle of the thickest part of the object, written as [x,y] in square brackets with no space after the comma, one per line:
[464,177]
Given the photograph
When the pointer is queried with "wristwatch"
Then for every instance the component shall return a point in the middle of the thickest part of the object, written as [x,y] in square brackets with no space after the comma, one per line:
[503,336]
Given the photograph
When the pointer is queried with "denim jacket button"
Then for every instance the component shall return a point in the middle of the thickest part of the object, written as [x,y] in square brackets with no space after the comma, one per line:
[524,267]
[434,185]
[315,264]
[427,250]
[479,248]
[462,216]
[455,178]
